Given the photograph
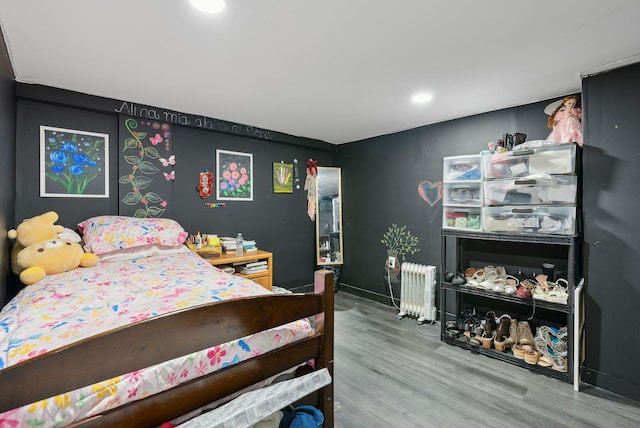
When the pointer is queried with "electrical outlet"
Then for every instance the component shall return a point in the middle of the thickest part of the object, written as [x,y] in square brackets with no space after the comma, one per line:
[392,262]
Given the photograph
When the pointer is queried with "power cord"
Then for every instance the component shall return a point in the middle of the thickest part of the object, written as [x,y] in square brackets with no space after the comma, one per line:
[533,312]
[393,299]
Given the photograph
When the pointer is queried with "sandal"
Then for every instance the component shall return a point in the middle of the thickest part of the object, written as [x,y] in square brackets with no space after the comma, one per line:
[542,280]
[532,356]
[559,364]
[519,350]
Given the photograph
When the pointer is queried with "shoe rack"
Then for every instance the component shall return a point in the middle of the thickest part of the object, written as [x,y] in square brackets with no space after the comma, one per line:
[525,254]
[514,196]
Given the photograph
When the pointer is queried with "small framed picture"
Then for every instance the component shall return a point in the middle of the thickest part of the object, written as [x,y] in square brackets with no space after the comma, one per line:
[282,177]
[73,163]
[234,176]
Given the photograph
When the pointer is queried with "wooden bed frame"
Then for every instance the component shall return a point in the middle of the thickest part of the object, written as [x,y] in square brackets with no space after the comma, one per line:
[143,344]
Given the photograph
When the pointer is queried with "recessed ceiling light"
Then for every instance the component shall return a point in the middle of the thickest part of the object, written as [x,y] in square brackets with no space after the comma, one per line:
[209,6]
[421,98]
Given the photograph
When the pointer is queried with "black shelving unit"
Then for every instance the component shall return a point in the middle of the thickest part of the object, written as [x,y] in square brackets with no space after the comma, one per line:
[526,253]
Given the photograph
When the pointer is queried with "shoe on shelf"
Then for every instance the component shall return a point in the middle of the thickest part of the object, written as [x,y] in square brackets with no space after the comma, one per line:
[542,280]
[525,336]
[557,344]
[490,324]
[559,364]
[519,351]
[487,339]
[513,333]
[468,273]
[531,356]
[458,279]
[546,360]
[502,332]
[500,346]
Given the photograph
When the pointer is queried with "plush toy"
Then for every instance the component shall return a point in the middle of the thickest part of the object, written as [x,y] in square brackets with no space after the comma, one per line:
[41,249]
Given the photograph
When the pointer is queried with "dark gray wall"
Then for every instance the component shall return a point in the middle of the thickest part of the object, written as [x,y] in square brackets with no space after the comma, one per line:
[7,165]
[278,222]
[381,176]
[380,179]
[612,232]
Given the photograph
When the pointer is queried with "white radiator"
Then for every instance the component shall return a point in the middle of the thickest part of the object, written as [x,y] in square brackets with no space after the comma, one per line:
[418,292]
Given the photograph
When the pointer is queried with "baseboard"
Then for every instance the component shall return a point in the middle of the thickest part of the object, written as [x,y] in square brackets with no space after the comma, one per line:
[367,294]
[611,383]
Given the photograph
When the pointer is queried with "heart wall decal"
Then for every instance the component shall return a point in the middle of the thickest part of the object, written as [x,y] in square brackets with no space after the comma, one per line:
[430,192]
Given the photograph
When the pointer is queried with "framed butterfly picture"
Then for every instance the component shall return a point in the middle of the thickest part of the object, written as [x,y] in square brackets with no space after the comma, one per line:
[73,163]
[234,176]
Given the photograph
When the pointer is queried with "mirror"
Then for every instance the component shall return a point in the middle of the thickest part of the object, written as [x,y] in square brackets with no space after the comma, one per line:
[328,216]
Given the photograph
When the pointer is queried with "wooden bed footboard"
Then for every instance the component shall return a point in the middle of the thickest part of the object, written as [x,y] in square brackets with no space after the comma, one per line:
[143,344]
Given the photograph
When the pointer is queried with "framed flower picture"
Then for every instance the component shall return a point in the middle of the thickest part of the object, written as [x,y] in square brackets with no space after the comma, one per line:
[73,163]
[234,176]
[282,177]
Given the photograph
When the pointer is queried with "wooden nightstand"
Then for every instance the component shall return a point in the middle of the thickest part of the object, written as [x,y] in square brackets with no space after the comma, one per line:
[263,278]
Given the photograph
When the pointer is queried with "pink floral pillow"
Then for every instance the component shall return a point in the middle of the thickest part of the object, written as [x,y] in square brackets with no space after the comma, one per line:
[104,234]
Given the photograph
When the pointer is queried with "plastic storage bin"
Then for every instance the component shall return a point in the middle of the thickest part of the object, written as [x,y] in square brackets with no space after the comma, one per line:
[552,159]
[541,189]
[462,168]
[465,218]
[462,194]
[552,220]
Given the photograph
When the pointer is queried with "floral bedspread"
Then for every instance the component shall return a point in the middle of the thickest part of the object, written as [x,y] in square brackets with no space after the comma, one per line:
[70,306]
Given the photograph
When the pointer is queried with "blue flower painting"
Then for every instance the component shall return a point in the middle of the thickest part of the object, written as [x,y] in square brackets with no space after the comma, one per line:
[73,163]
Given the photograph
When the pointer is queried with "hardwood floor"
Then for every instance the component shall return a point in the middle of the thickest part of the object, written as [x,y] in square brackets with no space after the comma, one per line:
[387,373]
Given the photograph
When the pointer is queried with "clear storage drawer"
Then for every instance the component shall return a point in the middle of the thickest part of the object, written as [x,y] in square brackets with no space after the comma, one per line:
[467,218]
[462,193]
[553,220]
[553,159]
[462,168]
[540,189]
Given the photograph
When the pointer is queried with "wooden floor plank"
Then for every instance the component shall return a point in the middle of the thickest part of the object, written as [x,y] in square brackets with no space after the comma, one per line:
[392,373]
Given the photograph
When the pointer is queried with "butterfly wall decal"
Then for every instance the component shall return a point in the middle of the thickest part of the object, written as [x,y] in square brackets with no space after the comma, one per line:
[170,161]
[156,139]
[170,176]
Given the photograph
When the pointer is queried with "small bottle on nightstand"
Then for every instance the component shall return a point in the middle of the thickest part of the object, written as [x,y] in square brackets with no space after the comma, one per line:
[239,244]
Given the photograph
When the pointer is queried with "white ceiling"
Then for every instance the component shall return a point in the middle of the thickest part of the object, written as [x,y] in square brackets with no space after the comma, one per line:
[334,70]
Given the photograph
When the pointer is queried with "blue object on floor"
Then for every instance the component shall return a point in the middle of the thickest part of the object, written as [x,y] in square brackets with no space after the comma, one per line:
[303,417]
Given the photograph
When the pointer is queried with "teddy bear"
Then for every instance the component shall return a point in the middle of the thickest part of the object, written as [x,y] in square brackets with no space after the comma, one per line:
[43,248]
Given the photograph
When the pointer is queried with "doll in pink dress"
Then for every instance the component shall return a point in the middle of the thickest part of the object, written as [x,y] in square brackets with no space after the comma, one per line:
[566,122]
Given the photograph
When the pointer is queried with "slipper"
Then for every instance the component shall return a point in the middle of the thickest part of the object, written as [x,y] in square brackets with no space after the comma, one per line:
[468,273]
[478,275]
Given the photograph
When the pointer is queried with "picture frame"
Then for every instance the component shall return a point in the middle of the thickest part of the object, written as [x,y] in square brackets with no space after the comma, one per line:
[234,176]
[282,177]
[73,163]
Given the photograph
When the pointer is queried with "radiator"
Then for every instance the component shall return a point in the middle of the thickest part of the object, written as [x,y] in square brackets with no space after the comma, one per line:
[418,292]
